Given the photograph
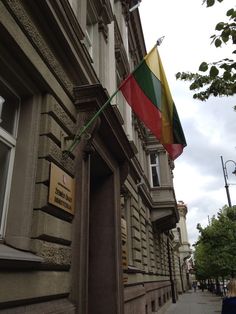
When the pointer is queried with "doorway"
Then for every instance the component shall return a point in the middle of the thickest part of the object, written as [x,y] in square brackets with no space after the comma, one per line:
[103,257]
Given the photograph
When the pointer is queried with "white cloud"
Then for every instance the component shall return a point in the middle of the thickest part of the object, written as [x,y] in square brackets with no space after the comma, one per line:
[210,127]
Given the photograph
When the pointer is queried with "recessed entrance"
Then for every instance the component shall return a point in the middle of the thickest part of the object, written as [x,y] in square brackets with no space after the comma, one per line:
[102,261]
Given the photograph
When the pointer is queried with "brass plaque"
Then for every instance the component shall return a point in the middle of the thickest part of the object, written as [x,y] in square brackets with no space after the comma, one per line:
[61,189]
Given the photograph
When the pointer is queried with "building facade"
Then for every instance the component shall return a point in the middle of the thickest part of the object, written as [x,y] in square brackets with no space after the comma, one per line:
[86,230]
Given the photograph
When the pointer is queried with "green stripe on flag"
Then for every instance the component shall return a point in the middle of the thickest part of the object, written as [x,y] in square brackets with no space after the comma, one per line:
[149,83]
[177,128]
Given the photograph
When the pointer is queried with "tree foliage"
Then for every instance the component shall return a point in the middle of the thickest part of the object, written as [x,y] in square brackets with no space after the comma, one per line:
[216,78]
[215,251]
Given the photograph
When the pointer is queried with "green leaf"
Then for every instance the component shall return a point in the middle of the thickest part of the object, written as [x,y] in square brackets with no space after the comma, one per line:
[233,65]
[230,12]
[226,31]
[210,3]
[225,66]
[225,38]
[193,86]
[227,75]
[233,34]
[214,71]
[178,75]
[203,67]
[220,26]
[218,42]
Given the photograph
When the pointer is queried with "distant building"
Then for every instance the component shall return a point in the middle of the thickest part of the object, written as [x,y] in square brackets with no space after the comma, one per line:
[88,232]
[182,251]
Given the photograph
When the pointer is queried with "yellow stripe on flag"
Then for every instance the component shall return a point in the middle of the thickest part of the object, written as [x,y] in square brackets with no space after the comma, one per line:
[154,63]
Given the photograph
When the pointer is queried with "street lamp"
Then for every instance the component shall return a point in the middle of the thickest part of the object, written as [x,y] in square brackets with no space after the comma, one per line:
[226,177]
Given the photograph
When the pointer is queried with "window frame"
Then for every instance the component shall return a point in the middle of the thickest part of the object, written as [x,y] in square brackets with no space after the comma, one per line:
[10,141]
[89,40]
[157,166]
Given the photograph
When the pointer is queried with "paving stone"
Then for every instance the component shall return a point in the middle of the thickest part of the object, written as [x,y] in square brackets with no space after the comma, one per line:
[196,303]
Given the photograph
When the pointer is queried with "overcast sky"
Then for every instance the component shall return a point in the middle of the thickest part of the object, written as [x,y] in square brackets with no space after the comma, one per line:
[209,127]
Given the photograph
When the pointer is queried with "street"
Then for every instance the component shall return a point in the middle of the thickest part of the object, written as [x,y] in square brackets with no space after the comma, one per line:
[196,303]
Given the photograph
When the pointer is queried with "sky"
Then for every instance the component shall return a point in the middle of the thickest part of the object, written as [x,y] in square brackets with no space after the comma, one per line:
[210,126]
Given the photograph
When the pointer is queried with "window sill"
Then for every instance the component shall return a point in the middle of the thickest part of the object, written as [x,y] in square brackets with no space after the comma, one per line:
[133,270]
[12,258]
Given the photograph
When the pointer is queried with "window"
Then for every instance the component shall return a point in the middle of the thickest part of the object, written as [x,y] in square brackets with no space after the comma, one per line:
[9,111]
[153,305]
[89,39]
[155,169]
[128,218]
[164,298]
[89,33]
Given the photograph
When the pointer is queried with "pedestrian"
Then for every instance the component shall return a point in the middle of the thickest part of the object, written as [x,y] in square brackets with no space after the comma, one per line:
[194,286]
[202,286]
[229,302]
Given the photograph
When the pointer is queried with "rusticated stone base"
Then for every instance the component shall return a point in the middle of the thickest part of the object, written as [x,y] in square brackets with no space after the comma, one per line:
[147,297]
[60,306]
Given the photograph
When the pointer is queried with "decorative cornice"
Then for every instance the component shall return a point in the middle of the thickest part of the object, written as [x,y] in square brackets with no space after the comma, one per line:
[182,208]
[103,10]
[102,14]
[27,25]
[92,97]
[103,28]
[125,9]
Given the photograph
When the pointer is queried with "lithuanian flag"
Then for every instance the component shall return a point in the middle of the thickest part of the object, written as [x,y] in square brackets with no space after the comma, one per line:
[147,92]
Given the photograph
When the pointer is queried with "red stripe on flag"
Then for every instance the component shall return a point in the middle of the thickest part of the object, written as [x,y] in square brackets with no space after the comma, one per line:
[147,112]
[174,150]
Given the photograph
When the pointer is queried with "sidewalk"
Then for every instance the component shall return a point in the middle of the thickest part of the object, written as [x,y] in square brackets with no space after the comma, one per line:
[196,303]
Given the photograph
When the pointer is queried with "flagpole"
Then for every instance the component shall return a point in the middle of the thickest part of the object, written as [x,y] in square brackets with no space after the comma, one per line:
[85,127]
